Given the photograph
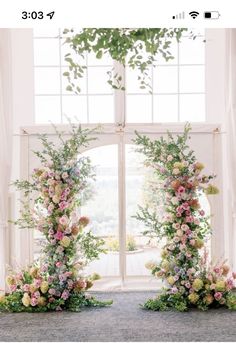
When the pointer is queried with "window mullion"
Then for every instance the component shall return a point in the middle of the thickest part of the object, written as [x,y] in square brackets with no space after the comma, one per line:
[119,96]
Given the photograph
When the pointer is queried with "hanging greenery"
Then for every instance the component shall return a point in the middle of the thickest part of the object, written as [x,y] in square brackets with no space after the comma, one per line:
[136,48]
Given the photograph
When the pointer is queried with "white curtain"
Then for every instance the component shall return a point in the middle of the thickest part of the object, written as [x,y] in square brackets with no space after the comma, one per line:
[5,144]
[231,136]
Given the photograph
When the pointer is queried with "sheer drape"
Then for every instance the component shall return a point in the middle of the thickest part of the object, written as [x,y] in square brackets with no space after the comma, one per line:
[231,135]
[5,144]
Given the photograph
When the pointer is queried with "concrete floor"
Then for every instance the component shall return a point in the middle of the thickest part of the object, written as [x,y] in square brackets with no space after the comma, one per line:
[125,321]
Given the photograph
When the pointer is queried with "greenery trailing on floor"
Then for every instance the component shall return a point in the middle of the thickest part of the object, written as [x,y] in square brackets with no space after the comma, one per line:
[52,199]
[191,280]
[137,48]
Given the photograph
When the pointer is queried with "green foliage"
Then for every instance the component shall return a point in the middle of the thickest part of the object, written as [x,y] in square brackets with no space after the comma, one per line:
[127,46]
[79,300]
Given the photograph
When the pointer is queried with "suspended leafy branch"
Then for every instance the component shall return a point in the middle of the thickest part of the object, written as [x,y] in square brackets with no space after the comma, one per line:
[137,48]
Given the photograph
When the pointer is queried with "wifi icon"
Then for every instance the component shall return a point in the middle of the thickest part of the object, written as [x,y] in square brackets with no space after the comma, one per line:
[194,14]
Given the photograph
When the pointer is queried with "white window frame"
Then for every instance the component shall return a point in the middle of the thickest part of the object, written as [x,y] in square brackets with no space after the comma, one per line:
[121,132]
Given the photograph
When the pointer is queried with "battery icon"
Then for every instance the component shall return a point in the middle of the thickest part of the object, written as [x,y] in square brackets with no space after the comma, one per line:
[211,15]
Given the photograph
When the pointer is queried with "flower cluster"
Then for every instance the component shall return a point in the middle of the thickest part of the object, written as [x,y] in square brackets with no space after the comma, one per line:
[183,266]
[58,187]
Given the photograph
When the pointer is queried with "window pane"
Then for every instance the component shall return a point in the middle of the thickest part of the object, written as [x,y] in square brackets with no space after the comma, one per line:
[165,108]
[105,60]
[192,51]
[101,109]
[132,82]
[48,32]
[138,251]
[81,82]
[192,107]
[47,80]
[47,108]
[97,81]
[139,108]
[75,107]
[102,209]
[192,79]
[46,52]
[165,80]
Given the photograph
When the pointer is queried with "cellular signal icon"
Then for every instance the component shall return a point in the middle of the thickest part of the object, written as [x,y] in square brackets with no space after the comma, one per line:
[179,16]
[194,14]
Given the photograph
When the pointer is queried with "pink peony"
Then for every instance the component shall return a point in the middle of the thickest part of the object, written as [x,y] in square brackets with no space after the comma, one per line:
[64,220]
[59,235]
[26,287]
[33,301]
[37,282]
[63,205]
[181,190]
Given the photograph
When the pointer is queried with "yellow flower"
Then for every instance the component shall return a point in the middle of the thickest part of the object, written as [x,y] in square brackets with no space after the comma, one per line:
[32,288]
[193,297]
[56,199]
[34,272]
[197,284]
[178,165]
[211,190]
[10,280]
[179,233]
[176,171]
[208,299]
[26,300]
[225,269]
[199,243]
[171,280]
[220,286]
[164,253]
[2,298]
[166,265]
[199,166]
[150,265]
[44,287]
[95,277]
[65,242]
[42,301]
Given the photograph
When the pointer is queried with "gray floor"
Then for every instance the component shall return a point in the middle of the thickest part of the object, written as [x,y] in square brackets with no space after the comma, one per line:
[124,321]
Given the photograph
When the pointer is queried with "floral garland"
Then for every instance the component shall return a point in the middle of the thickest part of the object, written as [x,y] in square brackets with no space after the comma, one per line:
[192,281]
[56,190]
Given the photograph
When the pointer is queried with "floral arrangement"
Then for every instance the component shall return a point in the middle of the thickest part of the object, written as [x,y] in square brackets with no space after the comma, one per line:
[51,201]
[191,281]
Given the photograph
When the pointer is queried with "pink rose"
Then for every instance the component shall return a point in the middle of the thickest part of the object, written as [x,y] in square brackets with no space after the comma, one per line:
[65,294]
[52,291]
[13,288]
[58,264]
[202,213]
[33,301]
[218,296]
